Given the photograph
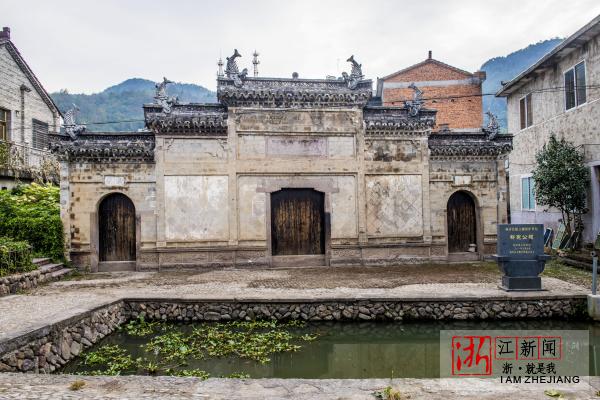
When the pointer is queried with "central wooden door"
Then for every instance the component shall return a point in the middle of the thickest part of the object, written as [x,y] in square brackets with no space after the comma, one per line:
[297,222]
[116,219]
[461,222]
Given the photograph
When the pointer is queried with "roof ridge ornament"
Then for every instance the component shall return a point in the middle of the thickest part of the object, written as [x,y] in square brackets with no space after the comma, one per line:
[233,72]
[71,127]
[493,127]
[356,74]
[161,98]
[416,104]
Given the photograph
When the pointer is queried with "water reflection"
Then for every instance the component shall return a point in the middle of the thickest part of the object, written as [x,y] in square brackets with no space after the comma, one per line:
[362,350]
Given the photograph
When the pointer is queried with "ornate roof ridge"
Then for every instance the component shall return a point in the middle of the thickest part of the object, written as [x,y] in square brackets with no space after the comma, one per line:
[456,144]
[193,118]
[386,120]
[104,147]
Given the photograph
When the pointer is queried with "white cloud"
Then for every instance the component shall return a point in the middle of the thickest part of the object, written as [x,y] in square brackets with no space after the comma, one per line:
[87,46]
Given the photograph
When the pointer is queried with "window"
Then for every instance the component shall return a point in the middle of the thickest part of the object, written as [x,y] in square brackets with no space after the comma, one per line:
[527,193]
[526,112]
[575,92]
[4,124]
[40,134]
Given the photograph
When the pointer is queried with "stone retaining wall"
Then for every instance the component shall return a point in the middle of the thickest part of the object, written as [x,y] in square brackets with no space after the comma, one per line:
[361,310]
[47,349]
[28,280]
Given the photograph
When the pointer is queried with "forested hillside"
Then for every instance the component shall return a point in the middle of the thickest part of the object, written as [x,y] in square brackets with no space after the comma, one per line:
[123,102]
[506,68]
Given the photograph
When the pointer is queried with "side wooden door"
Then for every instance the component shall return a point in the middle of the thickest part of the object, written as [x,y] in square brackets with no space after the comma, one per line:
[116,219]
[461,222]
[297,222]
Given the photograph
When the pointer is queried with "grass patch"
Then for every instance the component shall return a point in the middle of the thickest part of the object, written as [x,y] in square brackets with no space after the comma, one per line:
[577,276]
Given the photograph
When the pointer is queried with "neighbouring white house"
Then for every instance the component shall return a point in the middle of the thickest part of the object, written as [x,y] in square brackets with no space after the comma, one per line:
[27,116]
[559,94]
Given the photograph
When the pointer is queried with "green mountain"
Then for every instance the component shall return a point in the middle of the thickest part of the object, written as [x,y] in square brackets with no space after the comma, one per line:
[123,102]
[505,68]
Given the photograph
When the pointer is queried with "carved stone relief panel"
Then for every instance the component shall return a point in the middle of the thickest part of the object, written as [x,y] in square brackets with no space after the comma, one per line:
[394,205]
[297,121]
[391,150]
[343,209]
[193,150]
[252,146]
[196,208]
[297,146]
[251,209]
[341,146]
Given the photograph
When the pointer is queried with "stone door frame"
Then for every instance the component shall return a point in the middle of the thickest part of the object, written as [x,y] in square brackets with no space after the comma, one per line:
[327,186]
[478,223]
[95,236]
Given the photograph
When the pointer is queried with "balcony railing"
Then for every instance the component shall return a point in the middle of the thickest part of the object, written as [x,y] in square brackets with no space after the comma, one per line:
[22,161]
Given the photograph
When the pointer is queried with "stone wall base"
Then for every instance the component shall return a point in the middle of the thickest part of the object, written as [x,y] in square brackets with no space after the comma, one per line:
[233,256]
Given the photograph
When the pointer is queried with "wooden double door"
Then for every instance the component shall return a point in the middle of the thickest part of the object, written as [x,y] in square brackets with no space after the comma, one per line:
[297,222]
[462,222]
[116,236]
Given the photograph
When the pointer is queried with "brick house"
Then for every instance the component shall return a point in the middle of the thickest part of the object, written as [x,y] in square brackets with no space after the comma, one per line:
[27,116]
[453,92]
[559,94]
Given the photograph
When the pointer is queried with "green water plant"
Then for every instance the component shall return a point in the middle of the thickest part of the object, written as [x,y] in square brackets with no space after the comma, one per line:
[113,358]
[141,327]
[169,350]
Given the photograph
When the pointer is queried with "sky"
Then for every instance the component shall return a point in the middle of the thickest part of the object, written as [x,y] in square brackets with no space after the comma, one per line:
[86,46]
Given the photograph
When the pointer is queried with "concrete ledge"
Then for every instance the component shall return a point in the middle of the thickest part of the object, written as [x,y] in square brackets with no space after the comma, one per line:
[18,386]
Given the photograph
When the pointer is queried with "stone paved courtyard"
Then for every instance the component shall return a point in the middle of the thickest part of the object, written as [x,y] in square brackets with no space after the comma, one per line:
[57,301]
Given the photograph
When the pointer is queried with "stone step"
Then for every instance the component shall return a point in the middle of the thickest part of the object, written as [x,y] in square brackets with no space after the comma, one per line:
[298,261]
[42,261]
[463,257]
[47,268]
[61,273]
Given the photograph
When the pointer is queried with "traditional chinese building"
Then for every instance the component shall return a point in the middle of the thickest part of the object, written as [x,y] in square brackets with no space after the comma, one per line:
[282,172]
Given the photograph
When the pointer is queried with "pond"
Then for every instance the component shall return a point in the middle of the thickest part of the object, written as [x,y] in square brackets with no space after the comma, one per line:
[269,349]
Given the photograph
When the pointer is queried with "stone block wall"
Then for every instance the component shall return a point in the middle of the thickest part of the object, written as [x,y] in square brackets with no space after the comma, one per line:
[578,125]
[50,348]
[12,284]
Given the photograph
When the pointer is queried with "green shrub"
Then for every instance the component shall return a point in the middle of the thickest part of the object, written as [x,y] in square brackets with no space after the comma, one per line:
[15,257]
[32,213]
